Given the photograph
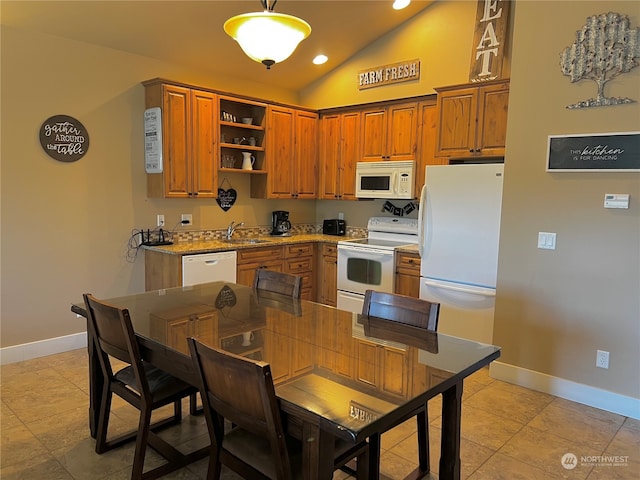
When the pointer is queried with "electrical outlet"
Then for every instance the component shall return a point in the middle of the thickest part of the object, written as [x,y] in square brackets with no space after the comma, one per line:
[602,359]
[160,221]
[186,219]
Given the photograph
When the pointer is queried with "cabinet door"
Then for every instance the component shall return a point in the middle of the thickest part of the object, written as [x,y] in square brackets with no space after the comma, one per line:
[402,132]
[373,135]
[493,104]
[408,274]
[427,140]
[394,379]
[349,155]
[457,122]
[204,144]
[280,152]
[329,156]
[367,368]
[176,132]
[305,171]
[328,284]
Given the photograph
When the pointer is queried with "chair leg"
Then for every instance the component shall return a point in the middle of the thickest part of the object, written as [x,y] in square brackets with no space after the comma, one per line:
[423,440]
[103,420]
[193,404]
[141,442]
[177,411]
[215,467]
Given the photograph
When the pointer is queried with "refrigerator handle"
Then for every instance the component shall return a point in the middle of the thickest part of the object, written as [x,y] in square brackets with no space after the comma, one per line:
[421,220]
[485,292]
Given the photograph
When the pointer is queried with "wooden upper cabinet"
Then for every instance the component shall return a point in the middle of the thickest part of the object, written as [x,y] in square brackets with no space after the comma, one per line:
[427,139]
[189,140]
[291,155]
[389,133]
[305,162]
[339,153]
[473,120]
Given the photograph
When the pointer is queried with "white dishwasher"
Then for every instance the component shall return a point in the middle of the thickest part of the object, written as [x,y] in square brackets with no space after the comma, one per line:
[209,267]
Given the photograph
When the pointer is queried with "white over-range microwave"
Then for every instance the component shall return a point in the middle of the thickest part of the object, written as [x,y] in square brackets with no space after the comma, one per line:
[385,179]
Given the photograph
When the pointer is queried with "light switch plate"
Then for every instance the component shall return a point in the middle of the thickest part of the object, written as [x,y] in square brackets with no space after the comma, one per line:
[547,240]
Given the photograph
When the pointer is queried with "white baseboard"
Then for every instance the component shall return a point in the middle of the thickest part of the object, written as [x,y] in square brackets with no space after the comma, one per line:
[42,348]
[576,392]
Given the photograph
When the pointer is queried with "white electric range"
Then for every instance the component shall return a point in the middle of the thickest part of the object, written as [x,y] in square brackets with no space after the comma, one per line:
[369,263]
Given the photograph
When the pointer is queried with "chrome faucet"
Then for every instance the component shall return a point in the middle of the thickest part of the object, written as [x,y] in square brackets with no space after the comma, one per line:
[232,228]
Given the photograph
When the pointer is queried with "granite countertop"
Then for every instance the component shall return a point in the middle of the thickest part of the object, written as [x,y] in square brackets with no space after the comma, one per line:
[209,246]
[408,249]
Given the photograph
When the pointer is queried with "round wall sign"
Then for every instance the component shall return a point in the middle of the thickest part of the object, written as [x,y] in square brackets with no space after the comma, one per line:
[64,138]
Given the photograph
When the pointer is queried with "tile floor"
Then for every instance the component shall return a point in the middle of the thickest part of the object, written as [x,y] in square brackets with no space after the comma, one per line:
[508,432]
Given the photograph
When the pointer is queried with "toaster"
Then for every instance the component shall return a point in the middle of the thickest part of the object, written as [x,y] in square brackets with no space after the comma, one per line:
[334,226]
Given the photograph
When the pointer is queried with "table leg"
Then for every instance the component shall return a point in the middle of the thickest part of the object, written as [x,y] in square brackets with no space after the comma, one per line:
[318,451]
[450,441]
[374,456]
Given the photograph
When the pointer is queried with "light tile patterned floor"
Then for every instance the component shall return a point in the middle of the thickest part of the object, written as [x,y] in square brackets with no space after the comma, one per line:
[508,432]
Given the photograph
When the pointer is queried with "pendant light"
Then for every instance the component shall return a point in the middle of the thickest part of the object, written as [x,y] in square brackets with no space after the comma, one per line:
[267,37]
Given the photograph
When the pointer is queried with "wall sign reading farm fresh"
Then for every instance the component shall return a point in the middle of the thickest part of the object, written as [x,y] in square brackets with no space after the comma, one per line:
[619,152]
[388,74]
[64,138]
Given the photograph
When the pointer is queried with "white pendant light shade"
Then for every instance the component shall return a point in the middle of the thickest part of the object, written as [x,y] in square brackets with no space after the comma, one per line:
[267,37]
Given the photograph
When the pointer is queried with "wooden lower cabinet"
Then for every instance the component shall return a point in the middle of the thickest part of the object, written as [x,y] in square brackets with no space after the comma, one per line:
[408,274]
[297,259]
[390,376]
[174,326]
[289,355]
[250,259]
[328,274]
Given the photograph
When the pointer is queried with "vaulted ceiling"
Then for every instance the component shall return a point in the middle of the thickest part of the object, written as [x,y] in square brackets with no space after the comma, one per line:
[190,33]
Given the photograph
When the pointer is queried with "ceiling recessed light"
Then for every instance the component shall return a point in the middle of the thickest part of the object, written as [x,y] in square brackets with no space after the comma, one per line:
[400,4]
[320,59]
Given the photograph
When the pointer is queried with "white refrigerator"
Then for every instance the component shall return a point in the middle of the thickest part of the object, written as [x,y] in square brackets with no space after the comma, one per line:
[459,229]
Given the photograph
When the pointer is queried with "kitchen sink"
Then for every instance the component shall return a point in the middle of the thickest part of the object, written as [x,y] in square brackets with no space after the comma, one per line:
[250,241]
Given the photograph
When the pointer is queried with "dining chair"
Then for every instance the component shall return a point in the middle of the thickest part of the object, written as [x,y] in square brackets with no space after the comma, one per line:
[140,384]
[241,391]
[277,282]
[418,313]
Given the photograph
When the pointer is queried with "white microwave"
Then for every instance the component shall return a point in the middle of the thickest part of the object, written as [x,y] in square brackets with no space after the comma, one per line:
[385,179]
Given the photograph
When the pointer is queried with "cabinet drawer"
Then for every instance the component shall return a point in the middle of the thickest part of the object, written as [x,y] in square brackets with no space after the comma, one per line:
[408,262]
[257,254]
[300,250]
[329,249]
[299,265]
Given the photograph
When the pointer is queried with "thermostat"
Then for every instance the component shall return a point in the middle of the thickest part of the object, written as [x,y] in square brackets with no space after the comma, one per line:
[616,200]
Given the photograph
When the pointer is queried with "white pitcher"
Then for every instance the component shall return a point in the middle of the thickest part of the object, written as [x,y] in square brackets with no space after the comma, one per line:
[247,161]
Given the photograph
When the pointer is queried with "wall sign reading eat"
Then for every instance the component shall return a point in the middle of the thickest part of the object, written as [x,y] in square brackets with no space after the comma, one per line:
[64,138]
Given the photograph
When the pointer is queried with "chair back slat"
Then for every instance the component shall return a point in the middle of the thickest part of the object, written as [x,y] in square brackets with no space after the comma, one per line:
[402,309]
[277,282]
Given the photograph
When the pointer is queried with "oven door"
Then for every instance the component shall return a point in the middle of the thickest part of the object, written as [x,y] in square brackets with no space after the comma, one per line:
[362,268]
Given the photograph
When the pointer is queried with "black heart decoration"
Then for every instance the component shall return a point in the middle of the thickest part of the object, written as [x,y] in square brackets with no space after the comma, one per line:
[226,198]
[226,298]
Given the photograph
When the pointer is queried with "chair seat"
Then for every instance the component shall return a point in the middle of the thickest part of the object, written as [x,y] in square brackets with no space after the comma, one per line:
[256,451]
[161,384]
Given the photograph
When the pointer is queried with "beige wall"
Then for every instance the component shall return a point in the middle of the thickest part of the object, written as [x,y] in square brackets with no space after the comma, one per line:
[65,226]
[554,309]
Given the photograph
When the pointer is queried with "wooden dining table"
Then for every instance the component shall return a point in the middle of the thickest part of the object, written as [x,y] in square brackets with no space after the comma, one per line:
[336,374]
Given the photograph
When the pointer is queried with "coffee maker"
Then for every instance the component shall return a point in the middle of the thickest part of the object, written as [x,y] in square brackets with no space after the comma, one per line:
[280,223]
